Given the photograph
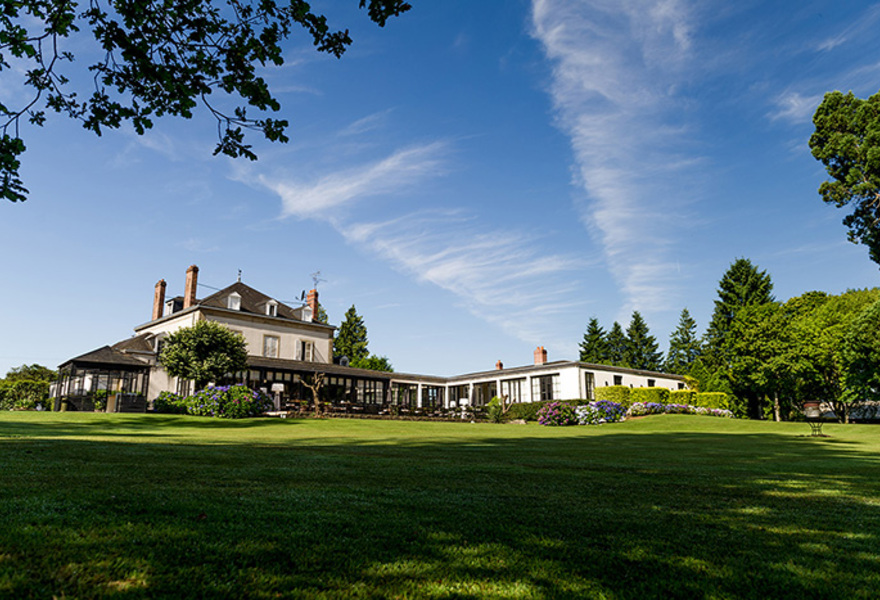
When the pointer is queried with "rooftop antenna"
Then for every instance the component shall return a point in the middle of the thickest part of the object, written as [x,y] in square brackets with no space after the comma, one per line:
[316,277]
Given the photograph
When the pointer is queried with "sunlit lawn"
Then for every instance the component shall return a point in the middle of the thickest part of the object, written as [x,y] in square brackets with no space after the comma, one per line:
[666,507]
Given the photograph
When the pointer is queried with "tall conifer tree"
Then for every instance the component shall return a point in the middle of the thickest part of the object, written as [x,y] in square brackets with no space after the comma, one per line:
[684,345]
[351,339]
[617,346]
[641,349]
[594,348]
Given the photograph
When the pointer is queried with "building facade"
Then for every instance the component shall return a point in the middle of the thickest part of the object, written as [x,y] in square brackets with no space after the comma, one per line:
[288,349]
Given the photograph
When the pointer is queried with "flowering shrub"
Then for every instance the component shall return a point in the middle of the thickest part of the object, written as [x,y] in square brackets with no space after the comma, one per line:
[169,403]
[640,409]
[603,411]
[227,402]
[557,413]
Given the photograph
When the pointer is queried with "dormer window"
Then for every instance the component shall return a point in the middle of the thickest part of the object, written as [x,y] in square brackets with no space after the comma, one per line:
[307,314]
[272,308]
[233,301]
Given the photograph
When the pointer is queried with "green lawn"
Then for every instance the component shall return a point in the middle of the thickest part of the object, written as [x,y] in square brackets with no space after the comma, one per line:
[137,506]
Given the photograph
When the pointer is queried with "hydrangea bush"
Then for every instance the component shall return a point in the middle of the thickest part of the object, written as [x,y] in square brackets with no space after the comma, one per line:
[169,403]
[603,411]
[557,413]
[227,402]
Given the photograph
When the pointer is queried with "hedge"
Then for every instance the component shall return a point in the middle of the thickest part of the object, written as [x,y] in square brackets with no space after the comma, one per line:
[712,400]
[683,397]
[649,394]
[619,394]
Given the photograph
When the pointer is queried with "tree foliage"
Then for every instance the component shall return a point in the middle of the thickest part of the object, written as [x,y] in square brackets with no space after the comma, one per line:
[617,346]
[741,285]
[594,347]
[861,354]
[374,363]
[351,338]
[159,58]
[641,347]
[26,386]
[684,345]
[847,142]
[204,352]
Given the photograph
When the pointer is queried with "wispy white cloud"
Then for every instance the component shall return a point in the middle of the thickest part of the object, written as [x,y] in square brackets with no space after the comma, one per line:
[794,107]
[501,276]
[366,124]
[616,65]
[326,196]
[866,24]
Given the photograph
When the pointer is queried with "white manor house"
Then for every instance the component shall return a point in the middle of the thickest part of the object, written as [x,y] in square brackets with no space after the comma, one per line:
[286,344]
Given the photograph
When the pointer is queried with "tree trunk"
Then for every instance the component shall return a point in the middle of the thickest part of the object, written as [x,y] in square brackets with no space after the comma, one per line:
[776,416]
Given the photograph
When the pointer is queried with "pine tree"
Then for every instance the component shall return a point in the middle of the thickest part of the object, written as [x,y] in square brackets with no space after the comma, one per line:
[742,285]
[684,345]
[594,348]
[642,351]
[617,346]
[351,339]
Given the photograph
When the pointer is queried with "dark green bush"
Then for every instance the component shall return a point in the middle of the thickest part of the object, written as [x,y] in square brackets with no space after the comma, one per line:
[683,397]
[528,411]
[169,403]
[712,400]
[651,394]
[619,394]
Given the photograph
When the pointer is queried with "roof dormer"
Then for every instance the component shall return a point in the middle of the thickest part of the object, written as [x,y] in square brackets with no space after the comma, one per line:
[272,308]
[233,301]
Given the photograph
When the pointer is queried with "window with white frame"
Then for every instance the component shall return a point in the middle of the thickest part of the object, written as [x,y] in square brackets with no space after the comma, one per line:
[233,301]
[513,389]
[545,387]
[271,344]
[306,351]
[272,308]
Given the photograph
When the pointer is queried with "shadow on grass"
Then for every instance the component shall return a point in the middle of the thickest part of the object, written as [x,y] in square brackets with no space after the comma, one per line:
[617,515]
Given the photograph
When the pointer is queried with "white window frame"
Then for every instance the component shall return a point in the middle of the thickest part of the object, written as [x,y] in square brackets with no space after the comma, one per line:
[267,347]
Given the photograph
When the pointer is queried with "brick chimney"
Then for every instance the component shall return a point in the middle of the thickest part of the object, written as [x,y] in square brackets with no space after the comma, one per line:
[499,365]
[189,292]
[540,355]
[312,300]
[159,299]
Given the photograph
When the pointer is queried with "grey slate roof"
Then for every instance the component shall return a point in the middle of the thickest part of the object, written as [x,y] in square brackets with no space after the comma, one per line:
[106,357]
[252,301]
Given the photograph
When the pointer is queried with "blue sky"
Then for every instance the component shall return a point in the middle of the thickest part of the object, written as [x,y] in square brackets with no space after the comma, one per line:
[478,178]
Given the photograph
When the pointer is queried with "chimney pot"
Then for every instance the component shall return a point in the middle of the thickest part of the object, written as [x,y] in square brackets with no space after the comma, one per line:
[540,355]
[499,365]
[192,280]
[312,301]
[159,299]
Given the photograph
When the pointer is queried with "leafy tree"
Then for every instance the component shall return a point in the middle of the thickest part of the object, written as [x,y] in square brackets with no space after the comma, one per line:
[684,345]
[861,354]
[820,337]
[847,142]
[741,285]
[32,372]
[26,386]
[641,347]
[374,363]
[351,338]
[159,58]
[759,349]
[204,352]
[594,347]
[617,346]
